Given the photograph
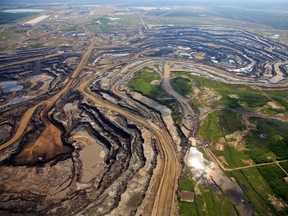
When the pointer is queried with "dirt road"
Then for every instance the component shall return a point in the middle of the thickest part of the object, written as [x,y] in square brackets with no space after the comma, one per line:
[28,60]
[48,103]
[165,201]
[189,122]
[213,158]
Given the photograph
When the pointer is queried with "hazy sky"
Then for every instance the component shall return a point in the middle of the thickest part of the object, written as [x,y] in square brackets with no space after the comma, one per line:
[243,3]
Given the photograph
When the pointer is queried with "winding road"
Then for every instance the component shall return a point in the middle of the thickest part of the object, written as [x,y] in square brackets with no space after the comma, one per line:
[165,200]
[48,103]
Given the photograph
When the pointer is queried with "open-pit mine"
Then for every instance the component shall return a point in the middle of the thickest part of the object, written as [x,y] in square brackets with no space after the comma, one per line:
[77,139]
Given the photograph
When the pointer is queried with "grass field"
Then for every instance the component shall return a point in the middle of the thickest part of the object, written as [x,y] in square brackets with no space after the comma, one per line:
[266,22]
[256,190]
[220,123]
[230,121]
[208,202]
[70,28]
[120,22]
[209,128]
[232,96]
[143,83]
[270,138]
[239,96]
[181,85]
[284,165]
[31,46]
[267,142]
[4,35]
[274,176]
[273,18]
[232,157]
[187,209]
[10,18]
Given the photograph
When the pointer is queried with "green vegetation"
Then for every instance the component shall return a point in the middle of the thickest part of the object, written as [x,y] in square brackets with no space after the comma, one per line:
[220,123]
[274,18]
[209,128]
[70,28]
[121,22]
[270,111]
[208,202]
[281,98]
[216,203]
[100,23]
[259,184]
[233,96]
[233,157]
[187,209]
[270,18]
[256,190]
[230,121]
[10,18]
[284,165]
[186,182]
[32,46]
[143,83]
[4,36]
[182,85]
[267,143]
[270,138]
[176,115]
[32,39]
[274,176]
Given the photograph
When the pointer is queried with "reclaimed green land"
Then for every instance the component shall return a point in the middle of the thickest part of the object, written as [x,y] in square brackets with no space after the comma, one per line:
[143,82]
[274,176]
[31,46]
[257,191]
[120,22]
[281,98]
[70,28]
[232,96]
[181,85]
[10,18]
[4,36]
[209,128]
[284,165]
[216,203]
[269,141]
[240,96]
[220,123]
[187,184]
[273,18]
[233,157]
[208,202]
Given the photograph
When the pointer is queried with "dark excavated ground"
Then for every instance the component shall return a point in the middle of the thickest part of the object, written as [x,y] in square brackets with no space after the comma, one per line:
[104,161]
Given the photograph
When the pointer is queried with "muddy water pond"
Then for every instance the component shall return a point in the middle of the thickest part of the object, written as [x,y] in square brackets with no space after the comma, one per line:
[92,157]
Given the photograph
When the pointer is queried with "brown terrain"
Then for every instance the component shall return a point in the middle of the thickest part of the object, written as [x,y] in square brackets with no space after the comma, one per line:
[91,146]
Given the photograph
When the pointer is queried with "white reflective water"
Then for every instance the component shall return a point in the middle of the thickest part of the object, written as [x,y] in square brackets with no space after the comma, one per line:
[199,165]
